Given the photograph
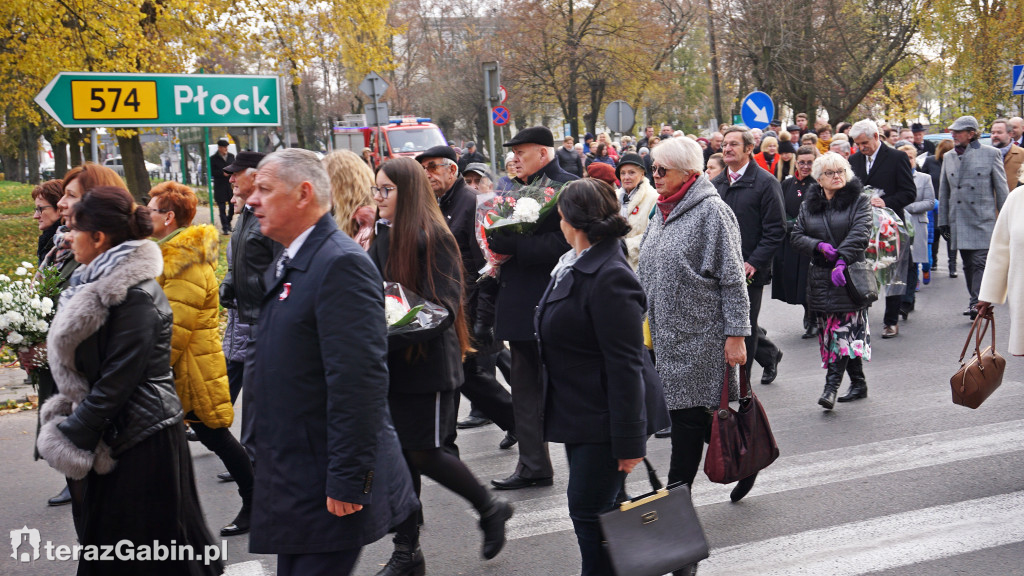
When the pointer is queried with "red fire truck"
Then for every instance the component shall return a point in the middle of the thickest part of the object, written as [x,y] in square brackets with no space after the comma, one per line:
[402,136]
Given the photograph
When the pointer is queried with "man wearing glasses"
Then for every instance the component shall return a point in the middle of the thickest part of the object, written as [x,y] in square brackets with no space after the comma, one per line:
[755,196]
[458,205]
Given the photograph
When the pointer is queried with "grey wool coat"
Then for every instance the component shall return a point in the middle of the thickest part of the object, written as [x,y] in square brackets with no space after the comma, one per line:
[691,267]
[972,190]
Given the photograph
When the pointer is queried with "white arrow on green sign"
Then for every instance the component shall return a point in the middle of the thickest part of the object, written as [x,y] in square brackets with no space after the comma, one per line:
[93,99]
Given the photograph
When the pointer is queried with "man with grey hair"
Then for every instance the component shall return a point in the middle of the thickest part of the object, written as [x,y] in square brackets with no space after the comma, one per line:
[1016,127]
[331,477]
[972,189]
[887,170]
[841,147]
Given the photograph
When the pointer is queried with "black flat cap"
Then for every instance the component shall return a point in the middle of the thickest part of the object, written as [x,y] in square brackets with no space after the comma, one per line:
[244,160]
[776,122]
[535,135]
[438,152]
[223,142]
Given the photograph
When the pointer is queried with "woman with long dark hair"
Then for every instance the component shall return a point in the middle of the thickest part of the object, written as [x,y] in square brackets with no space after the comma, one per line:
[414,247]
[115,429]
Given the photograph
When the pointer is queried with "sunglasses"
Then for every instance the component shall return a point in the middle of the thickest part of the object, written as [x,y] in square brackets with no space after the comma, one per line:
[660,171]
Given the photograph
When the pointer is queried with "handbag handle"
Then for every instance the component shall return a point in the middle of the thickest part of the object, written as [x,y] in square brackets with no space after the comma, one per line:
[744,387]
[978,330]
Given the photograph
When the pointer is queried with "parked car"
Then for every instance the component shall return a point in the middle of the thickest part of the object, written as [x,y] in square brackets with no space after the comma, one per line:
[116,165]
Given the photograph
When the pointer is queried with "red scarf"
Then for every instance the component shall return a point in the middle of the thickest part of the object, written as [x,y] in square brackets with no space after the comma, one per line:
[669,204]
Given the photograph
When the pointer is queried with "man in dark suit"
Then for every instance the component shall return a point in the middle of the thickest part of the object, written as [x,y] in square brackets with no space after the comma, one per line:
[331,477]
[458,205]
[523,280]
[222,184]
[755,196]
[885,169]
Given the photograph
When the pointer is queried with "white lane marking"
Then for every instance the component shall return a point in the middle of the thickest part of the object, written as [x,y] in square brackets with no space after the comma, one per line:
[551,514]
[250,568]
[880,543]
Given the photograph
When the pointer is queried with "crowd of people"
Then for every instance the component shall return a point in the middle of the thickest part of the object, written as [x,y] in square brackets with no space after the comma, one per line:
[617,317]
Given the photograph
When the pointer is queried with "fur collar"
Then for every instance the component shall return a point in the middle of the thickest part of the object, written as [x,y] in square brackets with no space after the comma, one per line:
[844,198]
[76,320]
[192,245]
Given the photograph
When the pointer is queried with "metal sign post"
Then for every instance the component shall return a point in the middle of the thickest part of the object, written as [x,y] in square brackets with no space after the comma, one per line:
[492,97]
[374,86]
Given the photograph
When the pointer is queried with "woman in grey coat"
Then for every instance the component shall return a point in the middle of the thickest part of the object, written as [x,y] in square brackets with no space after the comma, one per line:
[692,270]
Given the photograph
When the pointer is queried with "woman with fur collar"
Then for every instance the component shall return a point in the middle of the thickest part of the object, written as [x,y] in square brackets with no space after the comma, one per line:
[115,429]
[833,228]
[197,357]
[637,198]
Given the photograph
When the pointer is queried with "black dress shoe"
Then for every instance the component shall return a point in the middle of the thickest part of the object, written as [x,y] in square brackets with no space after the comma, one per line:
[812,332]
[492,523]
[742,488]
[952,274]
[190,435]
[515,482]
[772,370]
[240,525]
[225,477]
[690,570]
[472,422]
[664,433]
[508,441]
[60,499]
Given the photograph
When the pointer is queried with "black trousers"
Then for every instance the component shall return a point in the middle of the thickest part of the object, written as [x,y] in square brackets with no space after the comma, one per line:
[488,396]
[691,428]
[236,376]
[528,406]
[974,269]
[503,359]
[226,447]
[755,293]
[767,351]
[227,212]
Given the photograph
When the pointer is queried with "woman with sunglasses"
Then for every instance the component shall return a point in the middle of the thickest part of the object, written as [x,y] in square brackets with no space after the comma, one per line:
[789,270]
[833,229]
[691,267]
[414,247]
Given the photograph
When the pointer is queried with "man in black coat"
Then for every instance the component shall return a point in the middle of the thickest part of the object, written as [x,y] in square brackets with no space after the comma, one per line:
[222,184]
[522,281]
[885,169]
[458,205]
[755,196]
[331,476]
[568,159]
[469,156]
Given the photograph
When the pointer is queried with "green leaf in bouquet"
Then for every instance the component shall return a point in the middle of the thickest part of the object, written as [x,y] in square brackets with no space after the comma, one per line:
[409,316]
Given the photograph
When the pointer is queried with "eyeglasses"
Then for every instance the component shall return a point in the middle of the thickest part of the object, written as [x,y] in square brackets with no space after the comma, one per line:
[834,173]
[157,210]
[41,209]
[382,191]
[805,162]
[659,171]
[434,166]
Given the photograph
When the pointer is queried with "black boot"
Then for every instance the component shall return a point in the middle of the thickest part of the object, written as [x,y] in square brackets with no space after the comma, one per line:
[833,379]
[858,383]
[492,522]
[406,560]
[240,525]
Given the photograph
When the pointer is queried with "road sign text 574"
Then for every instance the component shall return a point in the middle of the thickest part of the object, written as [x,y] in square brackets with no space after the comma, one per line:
[114,100]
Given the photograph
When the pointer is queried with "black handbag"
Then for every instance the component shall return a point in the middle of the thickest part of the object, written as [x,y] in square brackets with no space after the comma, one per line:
[861,282]
[655,533]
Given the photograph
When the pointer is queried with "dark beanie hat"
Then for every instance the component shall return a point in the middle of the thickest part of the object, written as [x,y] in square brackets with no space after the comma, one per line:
[786,147]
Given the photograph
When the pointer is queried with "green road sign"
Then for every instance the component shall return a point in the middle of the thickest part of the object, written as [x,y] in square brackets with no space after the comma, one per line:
[92,99]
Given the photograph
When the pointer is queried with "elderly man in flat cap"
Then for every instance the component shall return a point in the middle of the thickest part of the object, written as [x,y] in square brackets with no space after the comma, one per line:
[221,184]
[469,156]
[972,189]
[522,282]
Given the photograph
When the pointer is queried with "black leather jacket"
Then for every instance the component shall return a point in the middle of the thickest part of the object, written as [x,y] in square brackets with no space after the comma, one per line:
[849,218]
[127,364]
[251,254]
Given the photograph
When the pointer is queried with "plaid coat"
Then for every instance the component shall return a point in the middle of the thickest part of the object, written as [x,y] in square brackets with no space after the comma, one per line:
[972,189]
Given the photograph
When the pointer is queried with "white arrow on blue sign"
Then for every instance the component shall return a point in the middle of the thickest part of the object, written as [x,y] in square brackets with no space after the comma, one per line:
[757,110]
[1018,79]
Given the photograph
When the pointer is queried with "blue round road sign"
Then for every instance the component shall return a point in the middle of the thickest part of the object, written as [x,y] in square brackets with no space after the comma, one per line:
[499,115]
[757,110]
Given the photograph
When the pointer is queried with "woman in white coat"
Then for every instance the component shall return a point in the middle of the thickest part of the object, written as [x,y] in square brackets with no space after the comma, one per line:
[637,199]
[1004,269]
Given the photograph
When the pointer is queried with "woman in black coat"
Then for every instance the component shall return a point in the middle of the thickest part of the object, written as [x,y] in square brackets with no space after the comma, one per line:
[590,325]
[833,229]
[115,428]
[414,247]
[789,269]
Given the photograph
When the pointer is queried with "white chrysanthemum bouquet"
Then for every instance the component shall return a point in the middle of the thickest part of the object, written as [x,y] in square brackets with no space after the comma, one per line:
[27,307]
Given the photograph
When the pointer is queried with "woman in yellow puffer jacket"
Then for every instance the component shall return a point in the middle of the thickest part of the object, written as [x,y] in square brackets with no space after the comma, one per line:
[200,371]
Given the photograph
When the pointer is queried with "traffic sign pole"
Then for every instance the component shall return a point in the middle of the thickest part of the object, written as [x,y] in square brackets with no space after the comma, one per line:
[492,85]
[209,172]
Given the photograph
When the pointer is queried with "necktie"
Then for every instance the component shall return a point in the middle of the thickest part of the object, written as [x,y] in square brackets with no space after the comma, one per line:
[734,176]
[869,164]
[281,263]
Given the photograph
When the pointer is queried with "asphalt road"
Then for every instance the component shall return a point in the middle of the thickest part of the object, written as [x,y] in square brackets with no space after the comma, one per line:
[902,483]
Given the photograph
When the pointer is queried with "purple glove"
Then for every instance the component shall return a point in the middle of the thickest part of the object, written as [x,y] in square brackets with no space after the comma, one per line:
[838,278]
[829,252]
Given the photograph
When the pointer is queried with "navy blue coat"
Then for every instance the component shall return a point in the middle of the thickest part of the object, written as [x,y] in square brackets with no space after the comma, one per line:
[596,388]
[756,199]
[320,380]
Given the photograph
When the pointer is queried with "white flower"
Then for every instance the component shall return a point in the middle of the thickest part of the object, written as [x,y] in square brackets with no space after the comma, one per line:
[394,309]
[6,298]
[14,338]
[42,326]
[20,271]
[27,264]
[5,278]
[527,210]
[36,303]
[14,317]
[47,306]
[4,323]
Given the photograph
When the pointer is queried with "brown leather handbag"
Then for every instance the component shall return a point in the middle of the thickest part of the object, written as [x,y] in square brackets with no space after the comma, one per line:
[741,442]
[978,379]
